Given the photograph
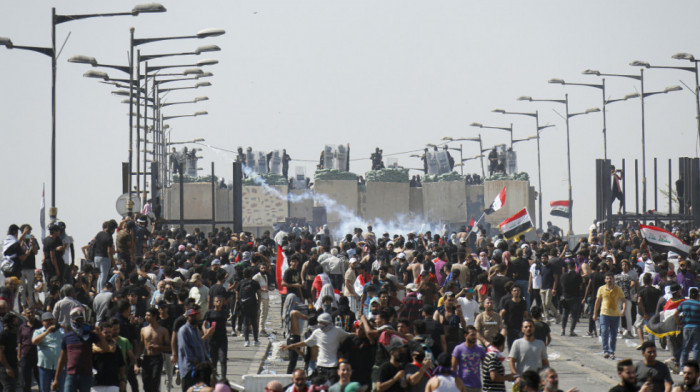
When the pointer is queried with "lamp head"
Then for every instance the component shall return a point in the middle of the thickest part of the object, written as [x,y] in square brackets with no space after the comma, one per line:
[447,138]
[525,98]
[207,48]
[592,110]
[630,96]
[477,125]
[204,75]
[207,62]
[83,60]
[147,8]
[683,56]
[638,63]
[200,99]
[499,111]
[672,88]
[193,71]
[4,41]
[591,72]
[201,113]
[202,84]
[210,33]
[96,74]
[556,81]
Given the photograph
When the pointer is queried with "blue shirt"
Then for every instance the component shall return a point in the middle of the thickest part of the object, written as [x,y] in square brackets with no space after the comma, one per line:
[691,313]
[190,349]
[50,348]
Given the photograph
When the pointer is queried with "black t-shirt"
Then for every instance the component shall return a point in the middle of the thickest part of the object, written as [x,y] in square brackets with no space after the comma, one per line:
[216,290]
[650,296]
[571,283]
[8,340]
[597,280]
[140,237]
[107,366]
[542,329]
[212,316]
[514,312]
[179,322]
[292,276]
[520,269]
[547,276]
[498,283]
[168,322]
[30,261]
[557,266]
[50,244]
[386,372]
[360,353]
[626,388]
[103,240]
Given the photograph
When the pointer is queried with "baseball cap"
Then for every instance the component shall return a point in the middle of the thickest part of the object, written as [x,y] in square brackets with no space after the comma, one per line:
[216,262]
[675,287]
[412,287]
[401,256]
[395,345]
[191,312]
[47,316]
[195,277]
[352,260]
[325,318]
[181,248]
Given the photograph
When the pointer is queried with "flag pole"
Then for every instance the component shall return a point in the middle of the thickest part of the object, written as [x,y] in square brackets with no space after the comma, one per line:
[475,225]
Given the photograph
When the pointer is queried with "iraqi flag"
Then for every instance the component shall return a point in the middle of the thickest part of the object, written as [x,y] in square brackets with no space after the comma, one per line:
[359,284]
[661,240]
[560,208]
[663,324]
[498,202]
[281,266]
[517,224]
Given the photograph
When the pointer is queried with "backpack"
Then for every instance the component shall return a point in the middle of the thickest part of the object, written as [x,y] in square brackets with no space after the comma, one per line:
[91,250]
[247,291]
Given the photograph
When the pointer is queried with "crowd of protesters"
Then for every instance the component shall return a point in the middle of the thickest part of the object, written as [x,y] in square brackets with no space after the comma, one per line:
[458,311]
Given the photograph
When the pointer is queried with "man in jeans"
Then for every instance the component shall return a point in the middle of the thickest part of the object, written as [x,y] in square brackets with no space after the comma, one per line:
[550,278]
[104,252]
[690,309]
[48,341]
[607,300]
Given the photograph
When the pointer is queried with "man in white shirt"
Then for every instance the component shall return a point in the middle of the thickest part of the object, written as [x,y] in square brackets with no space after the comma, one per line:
[470,307]
[261,278]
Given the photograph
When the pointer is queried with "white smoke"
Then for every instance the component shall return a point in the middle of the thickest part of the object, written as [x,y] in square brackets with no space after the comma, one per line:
[402,224]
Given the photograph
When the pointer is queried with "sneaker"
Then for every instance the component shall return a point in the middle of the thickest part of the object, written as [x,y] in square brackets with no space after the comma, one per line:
[233,333]
[627,335]
[178,381]
[589,334]
[246,344]
[612,356]
[572,334]
[256,343]
[563,333]
[606,355]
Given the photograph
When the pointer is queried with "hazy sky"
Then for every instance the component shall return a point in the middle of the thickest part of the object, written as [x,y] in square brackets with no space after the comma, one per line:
[393,74]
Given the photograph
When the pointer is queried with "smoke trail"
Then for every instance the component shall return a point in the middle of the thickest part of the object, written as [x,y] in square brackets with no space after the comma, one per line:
[402,224]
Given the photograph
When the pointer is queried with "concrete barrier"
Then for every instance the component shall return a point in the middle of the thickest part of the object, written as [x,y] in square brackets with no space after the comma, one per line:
[344,192]
[262,208]
[519,194]
[415,201]
[386,201]
[303,208]
[445,201]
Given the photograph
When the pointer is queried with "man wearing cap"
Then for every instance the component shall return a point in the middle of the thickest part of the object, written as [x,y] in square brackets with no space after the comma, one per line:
[48,340]
[76,353]
[328,339]
[469,306]
[391,373]
[411,305]
[685,277]
[190,348]
[199,292]
[141,235]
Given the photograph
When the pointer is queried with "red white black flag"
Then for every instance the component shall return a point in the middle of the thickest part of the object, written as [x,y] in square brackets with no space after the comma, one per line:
[517,224]
[498,202]
[662,241]
[560,208]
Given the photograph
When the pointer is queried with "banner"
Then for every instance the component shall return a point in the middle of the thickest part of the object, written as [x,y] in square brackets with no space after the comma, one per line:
[560,208]
[662,241]
[517,224]
[282,265]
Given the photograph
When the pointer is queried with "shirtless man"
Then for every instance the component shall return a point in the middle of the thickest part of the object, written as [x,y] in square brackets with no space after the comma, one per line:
[155,340]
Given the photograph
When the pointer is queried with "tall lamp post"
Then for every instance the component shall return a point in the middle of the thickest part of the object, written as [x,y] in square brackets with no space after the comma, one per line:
[536,116]
[507,129]
[693,69]
[57,19]
[565,101]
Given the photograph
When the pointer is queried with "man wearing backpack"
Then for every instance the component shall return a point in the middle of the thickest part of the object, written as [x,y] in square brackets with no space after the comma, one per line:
[249,293]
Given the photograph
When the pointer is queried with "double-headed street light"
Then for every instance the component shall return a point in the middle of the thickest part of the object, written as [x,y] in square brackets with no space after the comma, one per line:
[565,101]
[539,128]
[507,129]
[57,19]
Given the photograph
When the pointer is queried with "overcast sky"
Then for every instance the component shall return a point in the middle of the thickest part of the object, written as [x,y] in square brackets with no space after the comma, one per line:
[393,74]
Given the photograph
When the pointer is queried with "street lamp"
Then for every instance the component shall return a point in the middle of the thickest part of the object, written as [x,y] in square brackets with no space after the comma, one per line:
[199,63]
[507,129]
[196,85]
[195,114]
[601,87]
[468,139]
[196,52]
[194,141]
[565,101]
[57,19]
[539,128]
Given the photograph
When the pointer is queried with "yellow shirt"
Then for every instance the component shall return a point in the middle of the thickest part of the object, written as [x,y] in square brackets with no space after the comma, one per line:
[611,300]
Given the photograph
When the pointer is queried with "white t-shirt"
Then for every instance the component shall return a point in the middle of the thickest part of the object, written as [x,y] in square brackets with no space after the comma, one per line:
[262,280]
[328,343]
[536,276]
[469,309]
